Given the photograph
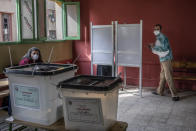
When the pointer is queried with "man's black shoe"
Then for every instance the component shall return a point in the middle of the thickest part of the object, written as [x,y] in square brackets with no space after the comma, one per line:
[176,98]
[155,93]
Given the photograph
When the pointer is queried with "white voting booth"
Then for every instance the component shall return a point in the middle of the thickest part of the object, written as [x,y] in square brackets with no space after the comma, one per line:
[102,45]
[128,48]
[127,43]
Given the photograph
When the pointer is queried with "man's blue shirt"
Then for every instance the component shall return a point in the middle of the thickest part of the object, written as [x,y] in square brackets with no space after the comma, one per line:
[164,46]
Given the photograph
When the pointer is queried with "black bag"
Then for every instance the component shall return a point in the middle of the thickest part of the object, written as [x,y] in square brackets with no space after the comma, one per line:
[104,70]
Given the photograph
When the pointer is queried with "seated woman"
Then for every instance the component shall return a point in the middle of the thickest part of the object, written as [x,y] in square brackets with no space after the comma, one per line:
[32,56]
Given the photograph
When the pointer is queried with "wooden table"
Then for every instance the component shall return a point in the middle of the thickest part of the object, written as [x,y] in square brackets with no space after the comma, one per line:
[4,88]
[60,126]
[4,83]
[57,126]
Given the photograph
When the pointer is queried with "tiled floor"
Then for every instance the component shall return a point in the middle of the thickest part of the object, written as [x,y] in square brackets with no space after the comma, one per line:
[157,113]
[153,113]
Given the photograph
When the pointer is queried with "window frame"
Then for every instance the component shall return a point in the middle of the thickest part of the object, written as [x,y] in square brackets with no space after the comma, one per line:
[33,19]
[18,27]
[65,21]
[9,23]
[60,40]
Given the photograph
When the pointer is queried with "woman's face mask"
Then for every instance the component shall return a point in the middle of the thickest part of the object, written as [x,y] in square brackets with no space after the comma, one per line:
[35,55]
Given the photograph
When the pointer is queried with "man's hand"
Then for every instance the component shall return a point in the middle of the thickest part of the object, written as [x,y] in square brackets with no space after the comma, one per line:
[150,46]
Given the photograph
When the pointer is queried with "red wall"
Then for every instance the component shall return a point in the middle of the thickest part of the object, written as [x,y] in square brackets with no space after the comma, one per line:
[177,17]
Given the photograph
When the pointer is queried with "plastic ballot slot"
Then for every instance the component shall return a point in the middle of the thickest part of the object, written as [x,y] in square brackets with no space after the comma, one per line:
[33,92]
[90,102]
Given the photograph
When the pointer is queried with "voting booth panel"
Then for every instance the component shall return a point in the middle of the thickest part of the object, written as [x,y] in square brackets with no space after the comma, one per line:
[128,45]
[128,48]
[102,46]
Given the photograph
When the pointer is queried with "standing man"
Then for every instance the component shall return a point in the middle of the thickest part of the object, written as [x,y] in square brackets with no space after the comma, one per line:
[163,50]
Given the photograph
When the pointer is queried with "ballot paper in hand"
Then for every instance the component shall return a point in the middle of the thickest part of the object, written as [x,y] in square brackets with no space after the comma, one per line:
[160,54]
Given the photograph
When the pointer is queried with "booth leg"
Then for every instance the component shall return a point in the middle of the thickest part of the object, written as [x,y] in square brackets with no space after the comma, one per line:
[125,78]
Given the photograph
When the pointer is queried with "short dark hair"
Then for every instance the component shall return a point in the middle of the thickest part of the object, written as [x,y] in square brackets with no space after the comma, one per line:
[160,26]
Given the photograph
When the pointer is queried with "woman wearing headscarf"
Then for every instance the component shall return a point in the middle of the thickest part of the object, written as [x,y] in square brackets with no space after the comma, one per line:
[32,56]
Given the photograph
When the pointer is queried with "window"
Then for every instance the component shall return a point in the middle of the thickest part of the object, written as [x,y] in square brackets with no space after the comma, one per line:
[8,26]
[52,35]
[72,20]
[54,20]
[28,19]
